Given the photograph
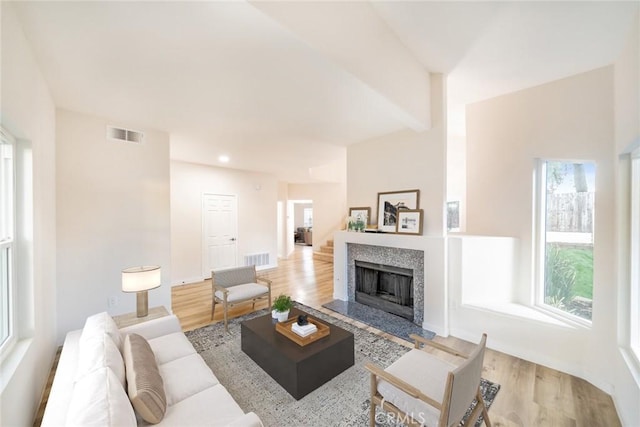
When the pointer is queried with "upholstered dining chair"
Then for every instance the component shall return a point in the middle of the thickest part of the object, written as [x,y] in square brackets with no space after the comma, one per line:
[423,389]
[238,285]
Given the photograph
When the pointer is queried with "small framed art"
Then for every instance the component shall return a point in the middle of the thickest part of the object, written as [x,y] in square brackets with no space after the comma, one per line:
[360,214]
[409,222]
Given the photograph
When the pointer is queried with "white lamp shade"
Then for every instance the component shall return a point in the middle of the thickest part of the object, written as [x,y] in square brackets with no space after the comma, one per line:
[136,279]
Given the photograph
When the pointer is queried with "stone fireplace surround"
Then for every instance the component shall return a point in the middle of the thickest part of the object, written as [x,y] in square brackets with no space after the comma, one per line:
[435,306]
[396,257]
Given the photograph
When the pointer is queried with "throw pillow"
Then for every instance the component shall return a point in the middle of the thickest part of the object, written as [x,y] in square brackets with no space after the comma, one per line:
[102,323]
[99,351]
[98,399]
[146,388]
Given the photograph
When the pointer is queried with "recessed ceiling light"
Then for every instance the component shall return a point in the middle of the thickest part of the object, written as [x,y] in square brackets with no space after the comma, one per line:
[224,159]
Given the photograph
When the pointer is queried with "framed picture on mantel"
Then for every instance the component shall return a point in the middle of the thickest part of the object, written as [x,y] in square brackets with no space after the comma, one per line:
[410,222]
[390,203]
[362,214]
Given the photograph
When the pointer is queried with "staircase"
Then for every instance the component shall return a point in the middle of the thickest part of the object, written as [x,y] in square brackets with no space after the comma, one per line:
[325,254]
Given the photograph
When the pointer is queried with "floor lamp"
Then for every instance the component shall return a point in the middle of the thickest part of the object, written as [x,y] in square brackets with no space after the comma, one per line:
[140,280]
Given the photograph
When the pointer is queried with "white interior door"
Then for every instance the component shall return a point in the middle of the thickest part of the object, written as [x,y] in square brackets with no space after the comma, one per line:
[219,226]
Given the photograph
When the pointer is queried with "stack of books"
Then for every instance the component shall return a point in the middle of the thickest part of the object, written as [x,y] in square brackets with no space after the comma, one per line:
[305,330]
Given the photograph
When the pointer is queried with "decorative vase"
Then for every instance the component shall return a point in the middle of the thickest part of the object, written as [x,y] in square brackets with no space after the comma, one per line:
[282,316]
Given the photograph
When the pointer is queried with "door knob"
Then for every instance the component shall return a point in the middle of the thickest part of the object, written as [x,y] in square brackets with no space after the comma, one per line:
[233,239]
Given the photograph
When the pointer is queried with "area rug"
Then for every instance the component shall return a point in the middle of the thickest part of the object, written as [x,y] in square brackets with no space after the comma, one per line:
[379,319]
[343,401]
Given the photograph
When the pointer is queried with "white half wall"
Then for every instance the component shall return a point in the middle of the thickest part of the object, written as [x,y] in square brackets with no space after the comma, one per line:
[112,213]
[257,196]
[28,113]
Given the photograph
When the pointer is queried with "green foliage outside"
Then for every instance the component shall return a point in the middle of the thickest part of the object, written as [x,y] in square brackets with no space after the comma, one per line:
[582,260]
[559,279]
[569,273]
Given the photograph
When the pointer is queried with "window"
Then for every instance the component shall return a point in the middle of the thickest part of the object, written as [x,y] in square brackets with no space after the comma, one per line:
[635,255]
[566,226]
[308,217]
[7,214]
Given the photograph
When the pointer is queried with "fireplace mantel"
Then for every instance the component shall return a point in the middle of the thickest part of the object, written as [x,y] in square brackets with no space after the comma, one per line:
[435,306]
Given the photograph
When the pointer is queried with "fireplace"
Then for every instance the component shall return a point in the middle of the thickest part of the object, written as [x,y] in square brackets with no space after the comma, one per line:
[403,258]
[386,287]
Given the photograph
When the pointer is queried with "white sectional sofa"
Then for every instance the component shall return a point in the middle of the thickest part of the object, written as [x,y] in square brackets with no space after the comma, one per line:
[92,387]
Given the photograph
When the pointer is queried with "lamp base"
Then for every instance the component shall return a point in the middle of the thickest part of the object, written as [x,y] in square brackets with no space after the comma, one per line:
[142,304]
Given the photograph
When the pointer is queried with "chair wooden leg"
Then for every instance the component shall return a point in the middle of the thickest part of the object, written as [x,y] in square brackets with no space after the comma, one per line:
[226,327]
[372,409]
[372,415]
[485,413]
[213,308]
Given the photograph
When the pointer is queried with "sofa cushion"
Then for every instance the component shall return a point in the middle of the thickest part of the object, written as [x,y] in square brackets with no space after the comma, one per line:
[102,323]
[99,351]
[171,347]
[185,377]
[146,389]
[213,407]
[98,399]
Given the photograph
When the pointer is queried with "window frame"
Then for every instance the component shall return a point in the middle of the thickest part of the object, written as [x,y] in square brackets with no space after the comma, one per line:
[634,254]
[8,246]
[539,243]
[305,217]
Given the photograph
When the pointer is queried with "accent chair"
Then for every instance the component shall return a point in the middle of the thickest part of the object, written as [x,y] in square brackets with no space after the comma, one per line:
[238,285]
[423,389]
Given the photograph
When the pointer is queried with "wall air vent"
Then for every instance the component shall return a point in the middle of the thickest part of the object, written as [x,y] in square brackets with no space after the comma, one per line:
[125,135]
[258,259]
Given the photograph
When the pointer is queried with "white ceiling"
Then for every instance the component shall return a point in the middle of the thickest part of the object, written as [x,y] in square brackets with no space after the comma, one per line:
[227,78]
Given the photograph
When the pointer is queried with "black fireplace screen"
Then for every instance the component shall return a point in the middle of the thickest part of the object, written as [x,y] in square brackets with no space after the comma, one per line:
[386,287]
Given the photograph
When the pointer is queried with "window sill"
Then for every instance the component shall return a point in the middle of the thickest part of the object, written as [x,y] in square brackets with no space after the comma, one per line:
[521,311]
[12,361]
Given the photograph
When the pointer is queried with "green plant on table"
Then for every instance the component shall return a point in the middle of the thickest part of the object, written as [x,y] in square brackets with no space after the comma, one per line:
[282,303]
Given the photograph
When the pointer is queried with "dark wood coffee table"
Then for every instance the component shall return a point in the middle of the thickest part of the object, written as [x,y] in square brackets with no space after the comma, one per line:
[298,369]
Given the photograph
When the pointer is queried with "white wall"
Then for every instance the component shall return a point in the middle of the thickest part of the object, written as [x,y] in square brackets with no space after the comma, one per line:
[285,242]
[627,92]
[565,119]
[257,196]
[112,213]
[627,132]
[329,208]
[482,269]
[570,118]
[28,113]
[404,160]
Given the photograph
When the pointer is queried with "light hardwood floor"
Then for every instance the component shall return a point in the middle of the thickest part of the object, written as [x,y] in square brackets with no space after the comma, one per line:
[531,394]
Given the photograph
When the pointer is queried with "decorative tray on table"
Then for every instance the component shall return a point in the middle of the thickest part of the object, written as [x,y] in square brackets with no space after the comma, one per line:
[285,329]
